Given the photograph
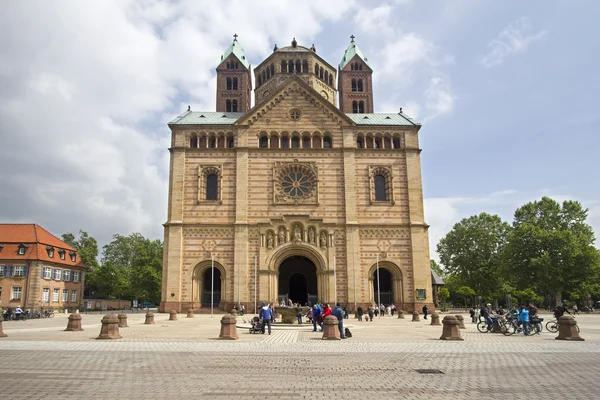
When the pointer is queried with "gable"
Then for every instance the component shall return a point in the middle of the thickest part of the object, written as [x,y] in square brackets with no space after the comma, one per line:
[356,59]
[291,91]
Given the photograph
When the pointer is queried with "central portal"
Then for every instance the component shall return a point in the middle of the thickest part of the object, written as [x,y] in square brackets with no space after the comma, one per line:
[297,280]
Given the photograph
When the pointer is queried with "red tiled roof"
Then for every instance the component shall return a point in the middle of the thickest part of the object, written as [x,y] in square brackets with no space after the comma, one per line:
[37,239]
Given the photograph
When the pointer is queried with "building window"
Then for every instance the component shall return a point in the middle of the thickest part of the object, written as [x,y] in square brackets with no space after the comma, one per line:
[354,85]
[327,142]
[73,256]
[230,142]
[228,105]
[212,181]
[295,142]
[235,83]
[396,143]
[65,296]
[285,142]
[360,85]
[61,254]
[306,142]
[234,106]
[283,66]
[75,276]
[361,107]
[46,273]
[360,143]
[321,72]
[380,194]
[263,142]
[212,142]
[55,294]
[45,295]
[19,270]
[50,251]
[295,114]
[377,143]
[57,274]
[66,275]
[73,296]
[22,249]
[17,292]
[229,83]
[297,65]
[194,142]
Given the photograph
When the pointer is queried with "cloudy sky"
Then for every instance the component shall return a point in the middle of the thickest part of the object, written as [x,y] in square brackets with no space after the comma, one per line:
[507,92]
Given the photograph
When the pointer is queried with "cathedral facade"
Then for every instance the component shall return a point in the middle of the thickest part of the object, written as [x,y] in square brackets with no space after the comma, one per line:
[309,195]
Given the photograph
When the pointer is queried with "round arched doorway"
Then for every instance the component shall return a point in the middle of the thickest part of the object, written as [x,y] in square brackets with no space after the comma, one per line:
[211,288]
[297,281]
[382,287]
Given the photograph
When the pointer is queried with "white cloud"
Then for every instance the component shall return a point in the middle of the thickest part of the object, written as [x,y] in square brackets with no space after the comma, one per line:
[439,99]
[513,39]
[374,21]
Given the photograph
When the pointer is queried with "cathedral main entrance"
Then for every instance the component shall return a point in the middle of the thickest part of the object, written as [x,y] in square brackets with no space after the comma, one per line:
[297,280]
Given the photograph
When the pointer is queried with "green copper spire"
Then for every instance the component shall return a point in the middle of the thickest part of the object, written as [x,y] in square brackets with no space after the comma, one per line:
[237,51]
[352,51]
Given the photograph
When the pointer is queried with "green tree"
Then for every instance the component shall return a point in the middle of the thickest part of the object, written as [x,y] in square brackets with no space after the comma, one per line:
[437,268]
[87,247]
[466,292]
[551,248]
[472,253]
[443,294]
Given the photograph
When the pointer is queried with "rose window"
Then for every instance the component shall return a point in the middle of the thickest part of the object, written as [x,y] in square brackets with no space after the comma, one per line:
[296,184]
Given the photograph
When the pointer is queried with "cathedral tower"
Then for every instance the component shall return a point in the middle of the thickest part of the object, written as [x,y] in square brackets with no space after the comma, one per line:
[234,83]
[355,81]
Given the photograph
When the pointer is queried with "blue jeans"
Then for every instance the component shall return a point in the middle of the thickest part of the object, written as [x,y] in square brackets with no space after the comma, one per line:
[341,328]
[267,322]
[314,324]
[525,327]
[490,322]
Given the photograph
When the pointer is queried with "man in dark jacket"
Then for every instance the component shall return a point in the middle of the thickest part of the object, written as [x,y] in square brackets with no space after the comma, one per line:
[316,315]
[265,315]
[339,314]
[359,313]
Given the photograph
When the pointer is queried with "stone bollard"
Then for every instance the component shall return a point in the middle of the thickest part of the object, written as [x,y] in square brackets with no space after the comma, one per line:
[435,319]
[416,317]
[149,318]
[228,329]
[110,327]
[2,334]
[330,328]
[190,313]
[461,322]
[400,314]
[567,329]
[233,312]
[450,330]
[172,315]
[122,320]
[74,324]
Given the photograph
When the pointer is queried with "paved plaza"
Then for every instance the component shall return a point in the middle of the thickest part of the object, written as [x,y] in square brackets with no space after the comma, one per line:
[183,360]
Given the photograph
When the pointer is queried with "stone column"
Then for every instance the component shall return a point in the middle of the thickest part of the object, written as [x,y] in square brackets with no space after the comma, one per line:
[228,329]
[74,324]
[149,319]
[110,327]
[450,330]
[330,328]
[461,321]
[122,320]
[415,317]
[2,334]
[567,329]
[172,315]
[435,319]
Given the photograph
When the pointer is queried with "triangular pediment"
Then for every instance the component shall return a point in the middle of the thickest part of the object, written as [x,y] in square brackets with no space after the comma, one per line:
[295,86]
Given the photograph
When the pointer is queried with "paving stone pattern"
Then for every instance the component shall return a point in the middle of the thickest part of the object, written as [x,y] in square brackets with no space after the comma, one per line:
[184,360]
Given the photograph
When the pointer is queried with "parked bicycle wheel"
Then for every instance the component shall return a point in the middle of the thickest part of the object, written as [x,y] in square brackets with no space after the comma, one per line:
[482,326]
[552,326]
[507,328]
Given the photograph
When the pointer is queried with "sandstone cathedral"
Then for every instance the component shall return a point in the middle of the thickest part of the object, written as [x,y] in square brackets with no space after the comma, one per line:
[309,195]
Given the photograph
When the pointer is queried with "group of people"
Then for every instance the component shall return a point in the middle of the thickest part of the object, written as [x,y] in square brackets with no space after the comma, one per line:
[374,311]
[7,314]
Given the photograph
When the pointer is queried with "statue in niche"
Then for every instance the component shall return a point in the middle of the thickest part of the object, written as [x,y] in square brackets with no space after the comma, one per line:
[323,240]
[311,236]
[281,236]
[297,234]
[270,241]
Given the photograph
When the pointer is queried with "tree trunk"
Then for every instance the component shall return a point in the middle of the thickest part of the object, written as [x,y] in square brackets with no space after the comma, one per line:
[558,298]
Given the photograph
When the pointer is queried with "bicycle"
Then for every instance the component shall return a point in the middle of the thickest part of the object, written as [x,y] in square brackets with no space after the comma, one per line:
[552,326]
[503,325]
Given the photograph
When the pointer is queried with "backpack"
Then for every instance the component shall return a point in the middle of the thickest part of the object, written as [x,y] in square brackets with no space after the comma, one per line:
[347,333]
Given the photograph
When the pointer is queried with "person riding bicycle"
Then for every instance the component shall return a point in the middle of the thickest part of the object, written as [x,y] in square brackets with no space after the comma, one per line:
[485,313]
[559,311]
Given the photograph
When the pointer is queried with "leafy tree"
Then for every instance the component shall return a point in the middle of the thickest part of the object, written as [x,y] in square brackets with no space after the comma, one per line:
[86,246]
[472,253]
[466,292]
[551,248]
[436,268]
[443,294]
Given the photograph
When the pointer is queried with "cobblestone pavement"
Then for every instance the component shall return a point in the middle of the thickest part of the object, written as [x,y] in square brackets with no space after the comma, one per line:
[182,359]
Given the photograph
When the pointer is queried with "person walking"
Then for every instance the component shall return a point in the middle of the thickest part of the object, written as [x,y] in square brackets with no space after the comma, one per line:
[371,313]
[265,315]
[359,313]
[339,314]
[299,315]
[425,311]
[346,312]
[393,309]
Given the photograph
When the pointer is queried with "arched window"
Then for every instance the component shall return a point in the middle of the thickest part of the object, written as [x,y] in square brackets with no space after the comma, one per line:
[236,65]
[194,142]
[360,67]
[228,83]
[305,66]
[213,142]
[295,142]
[283,66]
[396,143]
[326,76]
[354,85]
[377,143]
[290,66]
[272,69]
[316,69]
[212,182]
[233,105]
[230,143]
[360,143]
[285,142]
[330,80]
[235,84]
[265,75]
[298,66]
[264,142]
[351,67]
[306,142]
[259,80]
[228,105]
[327,142]
[361,107]
[380,190]
[355,107]
[360,85]
[321,72]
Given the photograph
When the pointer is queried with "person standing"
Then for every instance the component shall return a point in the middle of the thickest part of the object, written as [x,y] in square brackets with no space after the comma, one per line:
[316,316]
[18,312]
[524,319]
[346,312]
[393,309]
[359,313]
[326,312]
[299,315]
[339,314]
[371,313]
[265,315]
[425,311]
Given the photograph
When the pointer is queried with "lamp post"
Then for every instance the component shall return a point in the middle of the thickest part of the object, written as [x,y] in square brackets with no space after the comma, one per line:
[378,291]
[255,283]
[212,283]
[334,283]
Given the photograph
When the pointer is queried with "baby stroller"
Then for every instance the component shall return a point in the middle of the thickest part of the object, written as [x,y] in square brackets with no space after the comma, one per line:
[256,325]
